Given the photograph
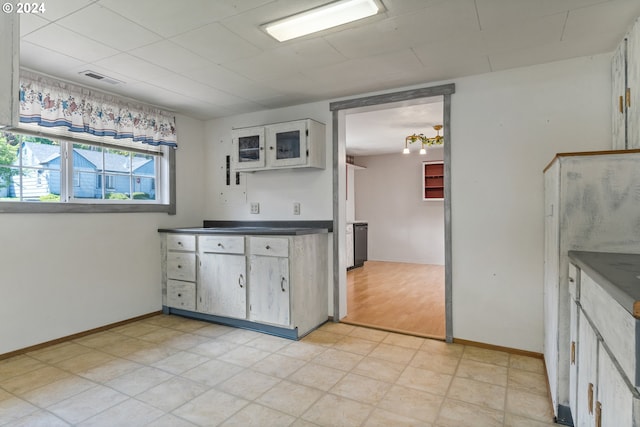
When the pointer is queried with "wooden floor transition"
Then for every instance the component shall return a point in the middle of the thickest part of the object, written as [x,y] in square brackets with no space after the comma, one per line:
[399,297]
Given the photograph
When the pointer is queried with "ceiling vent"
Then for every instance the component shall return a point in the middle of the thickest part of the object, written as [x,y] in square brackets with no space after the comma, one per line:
[101,77]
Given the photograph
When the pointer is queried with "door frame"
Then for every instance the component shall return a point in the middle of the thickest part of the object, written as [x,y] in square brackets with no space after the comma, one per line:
[338,110]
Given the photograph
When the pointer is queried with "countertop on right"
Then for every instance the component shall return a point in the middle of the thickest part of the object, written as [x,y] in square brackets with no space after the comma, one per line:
[617,273]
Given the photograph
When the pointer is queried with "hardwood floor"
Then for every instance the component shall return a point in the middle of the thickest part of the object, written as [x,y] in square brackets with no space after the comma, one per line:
[399,297]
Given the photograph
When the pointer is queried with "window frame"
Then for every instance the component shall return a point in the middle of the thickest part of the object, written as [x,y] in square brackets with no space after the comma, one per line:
[165,189]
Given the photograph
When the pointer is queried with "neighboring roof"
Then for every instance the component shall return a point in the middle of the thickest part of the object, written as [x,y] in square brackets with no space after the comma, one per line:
[44,153]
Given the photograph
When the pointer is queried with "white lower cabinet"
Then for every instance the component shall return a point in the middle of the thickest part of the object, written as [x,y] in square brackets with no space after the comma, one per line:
[601,393]
[276,281]
[615,404]
[181,294]
[573,351]
[349,246]
[222,286]
[269,291]
[179,273]
[587,363]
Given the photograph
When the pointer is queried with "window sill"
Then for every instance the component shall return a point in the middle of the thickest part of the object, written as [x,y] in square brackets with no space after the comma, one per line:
[44,207]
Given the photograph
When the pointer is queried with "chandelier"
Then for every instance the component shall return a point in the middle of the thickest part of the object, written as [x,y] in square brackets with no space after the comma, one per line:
[424,140]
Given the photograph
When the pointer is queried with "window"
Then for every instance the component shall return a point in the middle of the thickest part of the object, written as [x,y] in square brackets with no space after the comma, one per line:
[113,174]
[36,169]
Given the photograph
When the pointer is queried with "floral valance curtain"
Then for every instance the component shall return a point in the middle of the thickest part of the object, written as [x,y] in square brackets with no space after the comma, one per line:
[61,107]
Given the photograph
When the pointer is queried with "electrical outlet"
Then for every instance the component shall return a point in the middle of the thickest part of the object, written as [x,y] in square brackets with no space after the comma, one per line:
[255,207]
[296,208]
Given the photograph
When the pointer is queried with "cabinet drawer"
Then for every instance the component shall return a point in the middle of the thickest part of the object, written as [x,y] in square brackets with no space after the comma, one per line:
[181,242]
[221,244]
[181,266]
[269,246]
[181,295]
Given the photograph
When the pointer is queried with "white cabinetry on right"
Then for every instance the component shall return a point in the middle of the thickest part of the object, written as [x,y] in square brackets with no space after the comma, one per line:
[294,144]
[625,70]
[603,392]
[590,204]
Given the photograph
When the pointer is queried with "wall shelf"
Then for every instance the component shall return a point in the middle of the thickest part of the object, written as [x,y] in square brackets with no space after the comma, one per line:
[433,180]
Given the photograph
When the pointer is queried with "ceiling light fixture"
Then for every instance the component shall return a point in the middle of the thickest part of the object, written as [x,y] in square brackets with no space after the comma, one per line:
[321,18]
[424,140]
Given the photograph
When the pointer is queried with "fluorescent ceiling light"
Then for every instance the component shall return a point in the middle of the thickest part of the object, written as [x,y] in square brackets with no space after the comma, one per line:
[323,17]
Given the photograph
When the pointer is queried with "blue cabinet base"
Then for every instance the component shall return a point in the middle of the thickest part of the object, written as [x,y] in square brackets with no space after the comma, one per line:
[291,334]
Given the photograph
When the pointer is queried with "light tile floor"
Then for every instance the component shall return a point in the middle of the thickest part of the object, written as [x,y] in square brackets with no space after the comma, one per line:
[172,371]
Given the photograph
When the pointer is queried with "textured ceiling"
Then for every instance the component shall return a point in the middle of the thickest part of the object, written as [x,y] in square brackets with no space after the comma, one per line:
[381,129]
[209,58]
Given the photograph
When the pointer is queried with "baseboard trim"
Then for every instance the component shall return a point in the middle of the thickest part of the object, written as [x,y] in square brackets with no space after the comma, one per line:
[499,348]
[77,335]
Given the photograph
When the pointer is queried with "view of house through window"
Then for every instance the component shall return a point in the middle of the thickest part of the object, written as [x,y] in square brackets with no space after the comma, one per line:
[35,169]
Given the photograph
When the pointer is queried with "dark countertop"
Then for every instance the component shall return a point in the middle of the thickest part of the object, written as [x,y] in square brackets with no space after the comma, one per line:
[617,273]
[247,230]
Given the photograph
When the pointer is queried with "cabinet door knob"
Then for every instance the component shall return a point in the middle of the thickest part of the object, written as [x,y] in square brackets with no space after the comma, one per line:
[179,295]
[220,245]
[282,284]
[179,243]
[267,247]
[241,280]
[270,148]
[571,280]
[179,266]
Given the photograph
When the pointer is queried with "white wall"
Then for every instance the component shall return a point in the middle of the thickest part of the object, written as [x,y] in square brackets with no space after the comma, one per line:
[506,127]
[276,190]
[388,195]
[66,273]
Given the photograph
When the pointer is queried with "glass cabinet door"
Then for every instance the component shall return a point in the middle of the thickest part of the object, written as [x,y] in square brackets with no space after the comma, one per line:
[248,148]
[287,143]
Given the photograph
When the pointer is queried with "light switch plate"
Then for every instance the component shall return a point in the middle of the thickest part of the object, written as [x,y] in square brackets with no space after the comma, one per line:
[255,207]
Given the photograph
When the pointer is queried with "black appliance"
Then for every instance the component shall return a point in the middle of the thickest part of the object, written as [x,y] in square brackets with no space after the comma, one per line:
[360,231]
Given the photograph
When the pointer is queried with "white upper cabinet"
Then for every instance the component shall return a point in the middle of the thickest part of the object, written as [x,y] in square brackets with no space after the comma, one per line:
[9,68]
[633,87]
[619,85]
[287,144]
[625,71]
[248,148]
[295,144]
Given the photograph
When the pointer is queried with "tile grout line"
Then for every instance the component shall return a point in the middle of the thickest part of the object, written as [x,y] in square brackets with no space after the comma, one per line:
[453,376]
[338,343]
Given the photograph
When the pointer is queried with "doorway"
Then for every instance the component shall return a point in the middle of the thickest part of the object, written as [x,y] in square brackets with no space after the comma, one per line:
[340,111]
[401,286]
